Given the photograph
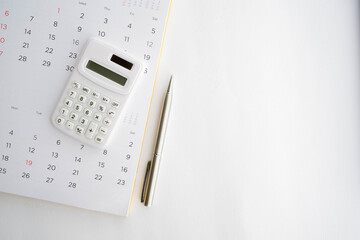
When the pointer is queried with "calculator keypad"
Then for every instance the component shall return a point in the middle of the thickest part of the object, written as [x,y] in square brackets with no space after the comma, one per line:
[87,112]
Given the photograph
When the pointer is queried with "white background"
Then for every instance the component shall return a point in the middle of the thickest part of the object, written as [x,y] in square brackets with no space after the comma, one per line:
[263,140]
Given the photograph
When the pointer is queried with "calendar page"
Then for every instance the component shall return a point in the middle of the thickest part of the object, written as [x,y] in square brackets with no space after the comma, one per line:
[40,43]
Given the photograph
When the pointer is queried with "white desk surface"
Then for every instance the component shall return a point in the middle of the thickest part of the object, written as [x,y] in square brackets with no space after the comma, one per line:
[263,140]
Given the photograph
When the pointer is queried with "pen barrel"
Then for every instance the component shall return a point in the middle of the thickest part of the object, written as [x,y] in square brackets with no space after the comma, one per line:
[160,138]
[164,117]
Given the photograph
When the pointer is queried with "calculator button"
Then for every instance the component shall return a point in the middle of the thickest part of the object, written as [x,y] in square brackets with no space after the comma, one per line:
[79,130]
[91,130]
[82,98]
[73,116]
[86,90]
[99,139]
[105,99]
[87,112]
[76,85]
[92,103]
[103,130]
[83,121]
[95,94]
[64,111]
[111,113]
[68,102]
[60,120]
[72,93]
[107,121]
[97,117]
[77,107]
[115,104]
[101,108]
[69,125]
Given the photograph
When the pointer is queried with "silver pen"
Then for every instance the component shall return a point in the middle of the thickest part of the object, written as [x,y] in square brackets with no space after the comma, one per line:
[152,169]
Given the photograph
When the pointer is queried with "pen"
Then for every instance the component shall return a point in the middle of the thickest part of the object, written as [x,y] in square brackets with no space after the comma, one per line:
[152,169]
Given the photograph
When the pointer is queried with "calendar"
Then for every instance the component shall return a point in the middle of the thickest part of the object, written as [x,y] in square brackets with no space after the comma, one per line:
[40,43]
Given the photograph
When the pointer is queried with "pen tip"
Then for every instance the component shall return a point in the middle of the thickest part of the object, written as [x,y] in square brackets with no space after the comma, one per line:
[170,85]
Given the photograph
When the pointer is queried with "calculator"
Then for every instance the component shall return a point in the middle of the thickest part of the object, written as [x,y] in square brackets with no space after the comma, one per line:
[96,93]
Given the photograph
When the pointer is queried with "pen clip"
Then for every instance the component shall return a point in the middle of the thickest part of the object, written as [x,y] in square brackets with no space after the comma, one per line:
[146,179]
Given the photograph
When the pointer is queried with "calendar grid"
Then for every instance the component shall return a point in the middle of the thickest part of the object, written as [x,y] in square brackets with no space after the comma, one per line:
[40,43]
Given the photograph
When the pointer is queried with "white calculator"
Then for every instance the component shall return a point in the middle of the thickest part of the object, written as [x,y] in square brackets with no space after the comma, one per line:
[96,93]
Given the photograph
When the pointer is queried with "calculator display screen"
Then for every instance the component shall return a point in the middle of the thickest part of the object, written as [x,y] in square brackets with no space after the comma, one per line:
[103,71]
